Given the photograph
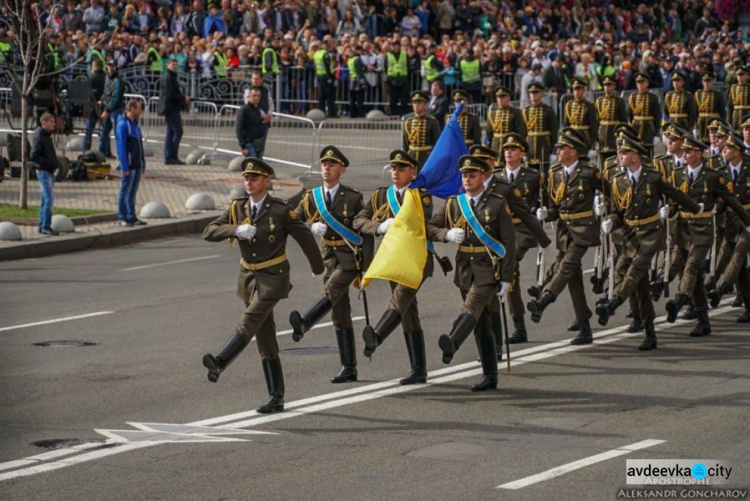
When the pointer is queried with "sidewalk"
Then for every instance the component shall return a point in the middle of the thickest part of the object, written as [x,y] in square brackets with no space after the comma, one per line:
[171,185]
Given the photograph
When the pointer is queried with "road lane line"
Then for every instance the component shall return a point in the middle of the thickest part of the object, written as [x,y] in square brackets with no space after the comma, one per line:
[56,320]
[167,263]
[577,465]
[31,460]
[316,326]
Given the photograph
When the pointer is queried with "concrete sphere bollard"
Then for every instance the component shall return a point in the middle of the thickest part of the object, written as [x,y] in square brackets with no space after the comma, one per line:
[9,231]
[63,224]
[193,157]
[149,152]
[236,164]
[75,144]
[316,115]
[237,192]
[155,210]
[200,201]
[375,115]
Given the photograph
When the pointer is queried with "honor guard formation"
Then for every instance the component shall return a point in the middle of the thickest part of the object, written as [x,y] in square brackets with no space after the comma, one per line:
[674,225]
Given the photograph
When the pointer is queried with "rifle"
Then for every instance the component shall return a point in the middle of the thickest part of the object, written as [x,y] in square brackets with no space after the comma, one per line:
[503,314]
[667,260]
[600,274]
[712,263]
[611,264]
[362,292]
[540,252]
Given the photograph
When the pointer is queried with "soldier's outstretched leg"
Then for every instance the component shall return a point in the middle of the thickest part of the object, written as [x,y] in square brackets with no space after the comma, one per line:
[650,342]
[275,384]
[536,306]
[303,323]
[373,337]
[227,354]
[487,356]
[704,325]
[347,355]
[450,343]
[417,358]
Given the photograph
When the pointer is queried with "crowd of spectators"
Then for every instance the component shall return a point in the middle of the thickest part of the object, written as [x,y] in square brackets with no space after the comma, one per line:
[514,41]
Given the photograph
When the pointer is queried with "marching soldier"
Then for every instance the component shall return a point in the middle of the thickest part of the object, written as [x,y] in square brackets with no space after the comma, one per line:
[718,132]
[738,272]
[541,129]
[422,131]
[710,104]
[679,104]
[572,187]
[261,224]
[738,100]
[746,135]
[707,185]
[636,196]
[581,114]
[479,221]
[645,113]
[331,209]
[503,119]
[469,122]
[375,219]
[610,111]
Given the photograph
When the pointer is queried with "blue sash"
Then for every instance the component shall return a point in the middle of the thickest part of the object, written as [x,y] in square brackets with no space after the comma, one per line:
[332,221]
[471,218]
[395,207]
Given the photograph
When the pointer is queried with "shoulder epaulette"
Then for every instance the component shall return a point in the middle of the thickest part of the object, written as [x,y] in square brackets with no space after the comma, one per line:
[349,188]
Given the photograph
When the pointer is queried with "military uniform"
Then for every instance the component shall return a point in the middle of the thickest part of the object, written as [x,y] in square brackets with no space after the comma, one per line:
[263,277]
[571,202]
[610,111]
[582,116]
[343,263]
[645,115]
[738,102]
[680,107]
[707,186]
[402,307]
[469,123]
[501,121]
[635,207]
[710,105]
[478,270]
[420,133]
[541,132]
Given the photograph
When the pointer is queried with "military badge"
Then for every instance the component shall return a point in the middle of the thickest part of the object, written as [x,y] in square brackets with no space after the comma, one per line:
[507,209]
[517,193]
[292,214]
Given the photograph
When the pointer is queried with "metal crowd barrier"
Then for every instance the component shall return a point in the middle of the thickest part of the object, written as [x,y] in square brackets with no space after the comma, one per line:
[369,142]
[199,128]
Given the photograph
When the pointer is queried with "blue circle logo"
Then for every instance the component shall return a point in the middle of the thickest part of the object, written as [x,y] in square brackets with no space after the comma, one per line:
[699,471]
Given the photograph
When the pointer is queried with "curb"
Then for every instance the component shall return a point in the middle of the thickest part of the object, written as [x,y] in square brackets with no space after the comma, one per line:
[106,217]
[107,237]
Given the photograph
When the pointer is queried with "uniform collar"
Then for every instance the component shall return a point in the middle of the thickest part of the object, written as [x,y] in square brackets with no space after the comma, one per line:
[515,172]
[636,174]
[332,191]
[694,172]
[258,204]
[570,169]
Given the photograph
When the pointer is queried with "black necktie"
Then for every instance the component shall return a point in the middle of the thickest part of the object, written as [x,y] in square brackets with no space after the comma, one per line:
[735,174]
[512,177]
[632,180]
[328,199]
[691,177]
[567,175]
[473,204]
[399,197]
[254,212]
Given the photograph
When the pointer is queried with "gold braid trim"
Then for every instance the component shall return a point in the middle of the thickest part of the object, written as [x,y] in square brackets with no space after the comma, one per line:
[622,201]
[458,223]
[379,214]
[557,193]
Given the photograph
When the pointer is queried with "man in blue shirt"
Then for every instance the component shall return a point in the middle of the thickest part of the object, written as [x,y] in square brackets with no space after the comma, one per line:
[129,139]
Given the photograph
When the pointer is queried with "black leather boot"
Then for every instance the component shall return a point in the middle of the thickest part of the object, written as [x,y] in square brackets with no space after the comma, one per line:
[608,309]
[487,356]
[417,358]
[534,291]
[585,336]
[217,364]
[745,317]
[704,326]
[303,323]
[657,287]
[450,343]
[674,306]
[637,324]
[574,326]
[375,337]
[275,384]
[348,356]
[629,314]
[519,335]
[497,330]
[737,303]
[690,312]
[650,342]
[537,306]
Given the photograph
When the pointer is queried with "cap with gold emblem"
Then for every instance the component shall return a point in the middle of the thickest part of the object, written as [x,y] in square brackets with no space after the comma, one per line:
[482,151]
[333,153]
[642,77]
[567,139]
[256,167]
[419,95]
[746,123]
[535,87]
[624,126]
[576,134]
[629,144]
[742,70]
[677,75]
[460,95]
[724,130]
[515,140]
[735,141]
[675,132]
[579,83]
[708,76]
[623,134]
[609,80]
[468,163]
[501,91]
[691,143]
[716,123]
[403,159]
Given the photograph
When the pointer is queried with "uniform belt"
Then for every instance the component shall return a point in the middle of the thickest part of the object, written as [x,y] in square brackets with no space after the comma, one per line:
[742,107]
[469,141]
[543,133]
[333,243]
[609,122]
[263,264]
[708,115]
[642,222]
[678,115]
[579,127]
[746,206]
[572,216]
[643,118]
[420,148]
[702,215]
[472,249]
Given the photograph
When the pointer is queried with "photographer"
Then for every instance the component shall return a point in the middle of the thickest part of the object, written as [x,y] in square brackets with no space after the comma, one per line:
[98,80]
[112,105]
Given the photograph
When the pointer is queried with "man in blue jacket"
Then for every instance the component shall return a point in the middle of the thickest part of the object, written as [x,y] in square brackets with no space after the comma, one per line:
[129,139]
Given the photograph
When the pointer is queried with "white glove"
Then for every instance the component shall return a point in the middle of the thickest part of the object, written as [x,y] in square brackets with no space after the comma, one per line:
[657,139]
[504,286]
[384,226]
[703,207]
[455,235]
[664,213]
[598,208]
[607,225]
[748,230]
[541,214]
[597,200]
[246,231]
[318,229]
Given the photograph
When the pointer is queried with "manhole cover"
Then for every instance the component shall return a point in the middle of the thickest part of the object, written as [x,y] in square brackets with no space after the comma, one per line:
[64,344]
[323,350]
[61,443]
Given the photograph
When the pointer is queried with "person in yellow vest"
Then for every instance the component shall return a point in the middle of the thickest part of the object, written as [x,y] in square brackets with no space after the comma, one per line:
[610,111]
[469,122]
[220,63]
[431,65]
[153,59]
[357,83]
[270,61]
[541,129]
[710,105]
[421,131]
[502,120]
[397,73]
[679,104]
[739,98]
[324,71]
[645,113]
[470,68]
[580,114]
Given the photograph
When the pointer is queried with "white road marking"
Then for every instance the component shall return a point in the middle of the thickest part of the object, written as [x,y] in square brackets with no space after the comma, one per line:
[577,465]
[353,395]
[167,263]
[166,433]
[317,326]
[56,320]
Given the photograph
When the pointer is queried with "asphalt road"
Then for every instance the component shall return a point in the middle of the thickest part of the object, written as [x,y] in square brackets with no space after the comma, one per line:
[161,305]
